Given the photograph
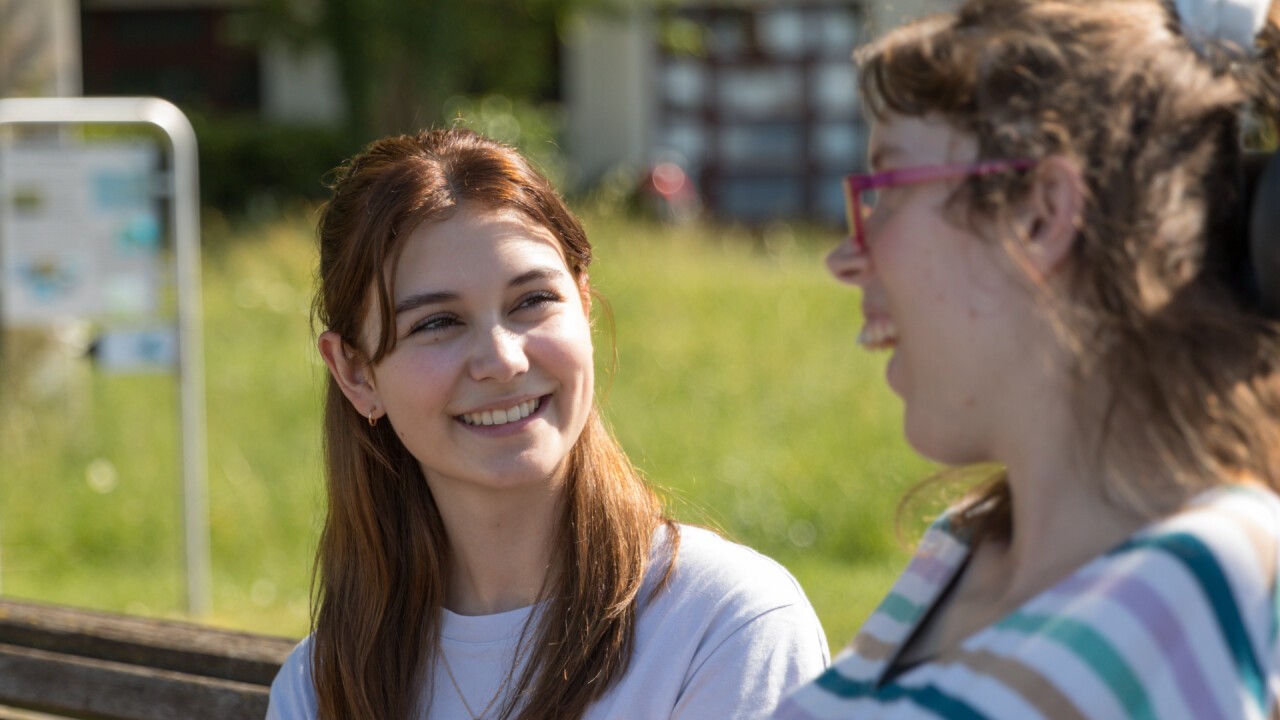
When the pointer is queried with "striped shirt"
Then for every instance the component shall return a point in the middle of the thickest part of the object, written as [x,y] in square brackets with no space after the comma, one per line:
[1179,621]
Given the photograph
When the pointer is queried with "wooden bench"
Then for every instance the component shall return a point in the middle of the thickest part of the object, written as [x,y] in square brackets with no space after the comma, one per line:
[72,663]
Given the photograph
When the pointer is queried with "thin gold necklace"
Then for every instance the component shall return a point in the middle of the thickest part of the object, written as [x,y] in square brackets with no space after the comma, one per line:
[466,705]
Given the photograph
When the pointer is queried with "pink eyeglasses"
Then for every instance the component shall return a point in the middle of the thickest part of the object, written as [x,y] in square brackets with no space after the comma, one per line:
[858,184]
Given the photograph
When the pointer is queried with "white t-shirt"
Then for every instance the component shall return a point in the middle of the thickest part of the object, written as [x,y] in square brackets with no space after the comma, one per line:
[728,637]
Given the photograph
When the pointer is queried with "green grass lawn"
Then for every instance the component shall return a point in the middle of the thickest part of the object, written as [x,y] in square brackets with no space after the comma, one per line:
[738,389]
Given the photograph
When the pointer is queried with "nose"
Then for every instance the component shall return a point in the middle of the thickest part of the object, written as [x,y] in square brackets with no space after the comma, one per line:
[849,262]
[498,355]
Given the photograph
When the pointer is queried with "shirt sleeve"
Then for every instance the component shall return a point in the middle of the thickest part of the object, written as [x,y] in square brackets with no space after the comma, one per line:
[747,674]
[292,695]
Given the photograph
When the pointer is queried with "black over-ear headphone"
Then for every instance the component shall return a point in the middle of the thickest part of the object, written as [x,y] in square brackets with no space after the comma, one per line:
[1254,260]
[1263,188]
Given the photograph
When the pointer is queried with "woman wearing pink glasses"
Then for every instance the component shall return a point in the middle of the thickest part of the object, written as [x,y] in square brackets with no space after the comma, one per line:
[1074,266]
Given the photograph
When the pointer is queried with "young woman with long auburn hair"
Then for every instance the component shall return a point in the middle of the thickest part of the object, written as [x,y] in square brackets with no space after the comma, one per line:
[1061,245]
[489,551]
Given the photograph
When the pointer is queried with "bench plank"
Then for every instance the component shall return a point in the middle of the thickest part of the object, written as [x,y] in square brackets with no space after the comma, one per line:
[93,665]
[92,689]
[161,644]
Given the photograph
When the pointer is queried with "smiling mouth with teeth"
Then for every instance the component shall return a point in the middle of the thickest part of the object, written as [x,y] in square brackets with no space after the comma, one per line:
[502,417]
[878,334]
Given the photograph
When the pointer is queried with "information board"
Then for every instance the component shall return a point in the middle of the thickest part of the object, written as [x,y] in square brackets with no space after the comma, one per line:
[80,232]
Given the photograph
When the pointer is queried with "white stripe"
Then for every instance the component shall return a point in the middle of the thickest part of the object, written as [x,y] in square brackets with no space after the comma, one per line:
[942,549]
[885,629]
[825,706]
[896,710]
[984,693]
[947,549]
[915,588]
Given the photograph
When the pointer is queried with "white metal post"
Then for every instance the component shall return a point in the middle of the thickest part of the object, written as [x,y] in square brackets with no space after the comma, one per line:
[185,219]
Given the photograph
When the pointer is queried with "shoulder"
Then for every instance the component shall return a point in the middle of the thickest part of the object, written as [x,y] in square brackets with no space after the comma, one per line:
[709,568]
[1227,541]
[722,593]
[728,633]
[292,694]
[1187,608]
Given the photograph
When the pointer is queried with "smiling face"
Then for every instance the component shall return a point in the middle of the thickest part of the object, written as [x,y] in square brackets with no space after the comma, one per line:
[490,381]
[934,294]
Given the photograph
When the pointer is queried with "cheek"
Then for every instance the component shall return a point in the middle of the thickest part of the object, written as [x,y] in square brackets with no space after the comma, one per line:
[936,264]
[414,379]
[898,238]
[566,351]
[578,348]
[909,266]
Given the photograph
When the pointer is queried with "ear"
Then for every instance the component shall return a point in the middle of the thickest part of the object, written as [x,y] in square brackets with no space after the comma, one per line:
[352,373]
[1052,214]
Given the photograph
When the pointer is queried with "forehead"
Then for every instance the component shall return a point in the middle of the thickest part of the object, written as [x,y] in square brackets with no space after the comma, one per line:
[906,141]
[474,240]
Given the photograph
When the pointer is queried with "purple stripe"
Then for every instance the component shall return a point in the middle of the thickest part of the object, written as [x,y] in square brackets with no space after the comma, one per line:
[1150,609]
[931,569]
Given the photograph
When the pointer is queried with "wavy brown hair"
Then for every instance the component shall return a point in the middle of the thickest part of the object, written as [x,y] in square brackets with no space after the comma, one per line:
[381,565]
[1154,313]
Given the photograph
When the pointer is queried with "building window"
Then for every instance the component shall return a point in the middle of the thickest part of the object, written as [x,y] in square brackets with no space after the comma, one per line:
[760,104]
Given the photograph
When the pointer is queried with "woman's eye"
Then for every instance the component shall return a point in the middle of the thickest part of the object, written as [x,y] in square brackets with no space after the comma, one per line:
[435,324]
[537,299]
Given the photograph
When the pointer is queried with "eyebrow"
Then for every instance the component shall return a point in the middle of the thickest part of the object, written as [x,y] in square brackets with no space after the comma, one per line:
[417,300]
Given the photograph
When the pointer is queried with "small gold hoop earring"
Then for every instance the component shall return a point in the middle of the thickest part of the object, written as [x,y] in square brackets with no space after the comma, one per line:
[373,421]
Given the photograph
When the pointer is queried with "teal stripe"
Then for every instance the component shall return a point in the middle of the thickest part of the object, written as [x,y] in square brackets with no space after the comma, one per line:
[898,607]
[1200,560]
[928,697]
[836,684]
[1095,651]
[943,525]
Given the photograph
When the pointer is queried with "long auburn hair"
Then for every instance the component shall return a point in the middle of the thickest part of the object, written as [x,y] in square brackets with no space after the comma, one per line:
[381,566]
[1153,315]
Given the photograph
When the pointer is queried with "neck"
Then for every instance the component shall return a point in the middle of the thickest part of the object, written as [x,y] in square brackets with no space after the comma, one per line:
[1061,517]
[500,545]
[1056,529]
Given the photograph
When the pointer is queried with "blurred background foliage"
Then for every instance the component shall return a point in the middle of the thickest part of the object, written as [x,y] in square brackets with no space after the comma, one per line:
[248,167]
[398,61]
[491,65]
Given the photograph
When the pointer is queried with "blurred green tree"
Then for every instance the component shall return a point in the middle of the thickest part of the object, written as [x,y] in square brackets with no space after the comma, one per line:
[401,60]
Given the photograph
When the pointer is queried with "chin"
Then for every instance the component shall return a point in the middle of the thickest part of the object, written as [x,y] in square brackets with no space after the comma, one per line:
[935,444]
[496,477]
[516,478]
